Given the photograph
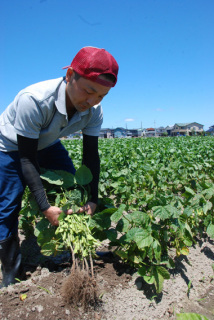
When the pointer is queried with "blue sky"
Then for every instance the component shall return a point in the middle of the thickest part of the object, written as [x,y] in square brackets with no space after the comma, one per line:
[164,48]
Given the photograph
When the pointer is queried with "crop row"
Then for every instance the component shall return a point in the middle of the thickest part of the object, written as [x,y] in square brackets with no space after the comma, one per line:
[143,173]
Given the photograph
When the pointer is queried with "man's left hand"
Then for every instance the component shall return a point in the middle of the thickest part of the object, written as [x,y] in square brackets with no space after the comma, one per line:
[89,208]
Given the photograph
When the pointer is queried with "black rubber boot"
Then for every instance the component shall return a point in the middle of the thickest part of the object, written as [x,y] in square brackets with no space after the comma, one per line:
[10,256]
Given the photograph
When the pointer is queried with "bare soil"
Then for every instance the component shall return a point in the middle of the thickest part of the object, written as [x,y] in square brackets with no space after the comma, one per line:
[122,294]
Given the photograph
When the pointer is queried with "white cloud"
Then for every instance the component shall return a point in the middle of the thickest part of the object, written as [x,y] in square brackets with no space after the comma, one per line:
[129,120]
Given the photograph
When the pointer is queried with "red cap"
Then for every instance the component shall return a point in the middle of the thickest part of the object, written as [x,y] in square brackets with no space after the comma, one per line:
[91,62]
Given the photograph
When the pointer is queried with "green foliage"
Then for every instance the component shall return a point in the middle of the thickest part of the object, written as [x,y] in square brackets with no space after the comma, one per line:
[166,185]
[156,196]
[83,176]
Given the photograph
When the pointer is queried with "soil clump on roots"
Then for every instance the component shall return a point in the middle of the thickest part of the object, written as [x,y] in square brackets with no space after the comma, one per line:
[80,287]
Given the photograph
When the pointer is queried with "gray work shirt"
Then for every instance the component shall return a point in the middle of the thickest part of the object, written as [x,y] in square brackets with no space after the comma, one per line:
[39,112]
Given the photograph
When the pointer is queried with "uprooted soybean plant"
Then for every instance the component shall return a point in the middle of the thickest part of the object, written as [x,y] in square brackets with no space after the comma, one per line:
[66,191]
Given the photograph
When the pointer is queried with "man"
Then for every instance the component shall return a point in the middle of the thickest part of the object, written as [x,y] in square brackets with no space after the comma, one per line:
[30,129]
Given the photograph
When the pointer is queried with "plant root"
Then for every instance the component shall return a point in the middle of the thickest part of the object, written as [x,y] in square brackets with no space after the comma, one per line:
[80,288]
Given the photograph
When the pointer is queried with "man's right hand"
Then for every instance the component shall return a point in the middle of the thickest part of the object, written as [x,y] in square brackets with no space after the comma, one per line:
[52,214]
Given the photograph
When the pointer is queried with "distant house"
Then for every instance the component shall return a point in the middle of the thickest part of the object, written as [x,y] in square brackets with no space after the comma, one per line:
[132,132]
[161,131]
[187,129]
[169,130]
[119,133]
[150,132]
[211,130]
[106,133]
[141,132]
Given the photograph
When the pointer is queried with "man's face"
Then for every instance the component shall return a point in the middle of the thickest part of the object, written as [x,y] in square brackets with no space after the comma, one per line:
[82,93]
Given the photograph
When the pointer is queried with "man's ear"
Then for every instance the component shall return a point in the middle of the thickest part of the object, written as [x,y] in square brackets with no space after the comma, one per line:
[69,74]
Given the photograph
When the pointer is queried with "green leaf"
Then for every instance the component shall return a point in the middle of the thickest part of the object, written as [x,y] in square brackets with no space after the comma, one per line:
[33,204]
[122,254]
[159,279]
[210,230]
[138,218]
[49,249]
[74,196]
[99,234]
[207,206]
[101,220]
[170,264]
[70,205]
[142,271]
[190,316]
[187,241]
[149,279]
[52,177]
[143,238]
[164,273]
[165,212]
[111,234]
[188,230]
[42,225]
[208,193]
[122,225]
[189,191]
[130,235]
[161,212]
[157,250]
[118,214]
[175,213]
[83,175]
[45,236]
[62,216]
[188,211]
[68,178]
